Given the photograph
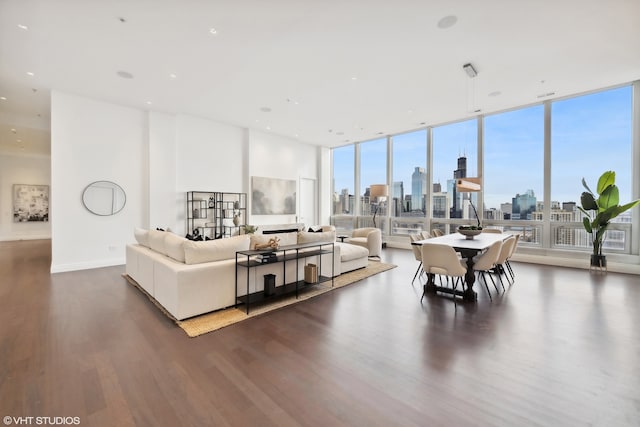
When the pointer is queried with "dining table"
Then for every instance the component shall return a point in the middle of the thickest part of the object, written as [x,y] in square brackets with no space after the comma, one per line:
[468,249]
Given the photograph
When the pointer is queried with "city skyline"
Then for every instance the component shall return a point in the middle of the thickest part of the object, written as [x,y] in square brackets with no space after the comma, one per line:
[589,135]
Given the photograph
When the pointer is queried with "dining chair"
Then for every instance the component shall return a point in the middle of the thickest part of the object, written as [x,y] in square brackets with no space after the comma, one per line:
[491,230]
[513,250]
[436,232]
[486,263]
[443,260]
[417,253]
[506,251]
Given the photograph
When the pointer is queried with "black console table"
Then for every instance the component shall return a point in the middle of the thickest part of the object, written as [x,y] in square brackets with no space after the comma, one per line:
[284,254]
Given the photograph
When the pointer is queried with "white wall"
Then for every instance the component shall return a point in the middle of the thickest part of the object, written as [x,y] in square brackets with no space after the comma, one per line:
[161,198]
[273,156]
[93,141]
[209,158]
[15,169]
[156,158]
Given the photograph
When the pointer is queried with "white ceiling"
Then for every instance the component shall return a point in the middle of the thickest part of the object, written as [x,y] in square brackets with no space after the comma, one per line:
[331,72]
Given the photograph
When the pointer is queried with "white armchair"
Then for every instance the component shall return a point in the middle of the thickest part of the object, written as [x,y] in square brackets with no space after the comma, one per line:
[370,238]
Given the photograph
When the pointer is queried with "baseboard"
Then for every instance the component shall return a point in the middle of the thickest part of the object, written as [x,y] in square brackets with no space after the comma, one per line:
[62,268]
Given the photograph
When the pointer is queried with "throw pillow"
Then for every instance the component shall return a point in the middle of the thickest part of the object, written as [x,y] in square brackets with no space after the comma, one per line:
[214,250]
[174,246]
[142,236]
[315,237]
[156,241]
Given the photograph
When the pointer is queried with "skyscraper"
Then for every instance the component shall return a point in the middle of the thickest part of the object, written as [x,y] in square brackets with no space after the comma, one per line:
[456,199]
[418,188]
[523,205]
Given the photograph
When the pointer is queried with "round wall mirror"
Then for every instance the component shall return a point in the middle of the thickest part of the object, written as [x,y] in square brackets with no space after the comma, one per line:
[104,198]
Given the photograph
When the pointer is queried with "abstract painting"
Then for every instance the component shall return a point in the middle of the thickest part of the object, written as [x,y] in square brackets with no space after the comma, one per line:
[272,196]
[30,203]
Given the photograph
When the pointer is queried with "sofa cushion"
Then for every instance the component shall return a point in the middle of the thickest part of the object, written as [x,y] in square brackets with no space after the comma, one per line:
[315,237]
[156,241]
[286,239]
[142,236]
[350,252]
[174,245]
[214,250]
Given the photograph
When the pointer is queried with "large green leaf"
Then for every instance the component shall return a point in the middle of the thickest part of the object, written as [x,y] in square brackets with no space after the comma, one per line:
[617,210]
[587,225]
[584,183]
[609,198]
[588,202]
[606,179]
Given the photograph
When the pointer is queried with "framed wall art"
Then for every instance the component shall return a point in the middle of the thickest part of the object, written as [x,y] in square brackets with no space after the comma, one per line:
[272,196]
[30,203]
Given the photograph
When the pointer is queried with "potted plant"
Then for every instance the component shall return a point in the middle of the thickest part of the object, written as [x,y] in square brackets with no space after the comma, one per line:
[249,229]
[599,209]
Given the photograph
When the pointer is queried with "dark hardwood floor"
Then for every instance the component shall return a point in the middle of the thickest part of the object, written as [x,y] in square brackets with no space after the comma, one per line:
[560,348]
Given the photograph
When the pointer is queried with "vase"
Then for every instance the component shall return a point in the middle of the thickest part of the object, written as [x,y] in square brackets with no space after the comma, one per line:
[599,262]
[236,220]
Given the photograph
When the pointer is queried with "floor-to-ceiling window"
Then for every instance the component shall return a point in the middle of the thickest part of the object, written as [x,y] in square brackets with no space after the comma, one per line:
[514,171]
[407,201]
[343,197]
[527,153]
[590,134]
[455,155]
[373,171]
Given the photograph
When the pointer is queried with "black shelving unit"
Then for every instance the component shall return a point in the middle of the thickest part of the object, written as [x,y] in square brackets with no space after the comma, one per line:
[250,259]
[210,214]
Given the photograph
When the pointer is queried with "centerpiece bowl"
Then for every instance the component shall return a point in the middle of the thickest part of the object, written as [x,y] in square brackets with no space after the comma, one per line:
[469,231]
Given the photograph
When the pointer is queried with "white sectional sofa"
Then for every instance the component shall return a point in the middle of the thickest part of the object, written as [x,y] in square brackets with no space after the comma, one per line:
[189,278]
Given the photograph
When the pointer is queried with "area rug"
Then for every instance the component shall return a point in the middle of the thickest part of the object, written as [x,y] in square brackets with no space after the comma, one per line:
[219,319]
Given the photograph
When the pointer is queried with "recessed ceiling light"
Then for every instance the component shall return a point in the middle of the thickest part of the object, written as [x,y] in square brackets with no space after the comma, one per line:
[213,31]
[354,78]
[23,27]
[30,73]
[495,93]
[18,140]
[149,102]
[125,74]
[173,76]
[268,127]
[3,98]
[13,130]
[447,22]
[265,109]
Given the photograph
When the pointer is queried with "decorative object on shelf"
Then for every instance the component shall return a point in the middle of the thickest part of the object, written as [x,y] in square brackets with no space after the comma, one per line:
[310,273]
[31,203]
[212,203]
[273,243]
[249,229]
[599,212]
[236,219]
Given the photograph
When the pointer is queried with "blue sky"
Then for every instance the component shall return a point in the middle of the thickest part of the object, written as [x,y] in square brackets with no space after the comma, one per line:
[590,134]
